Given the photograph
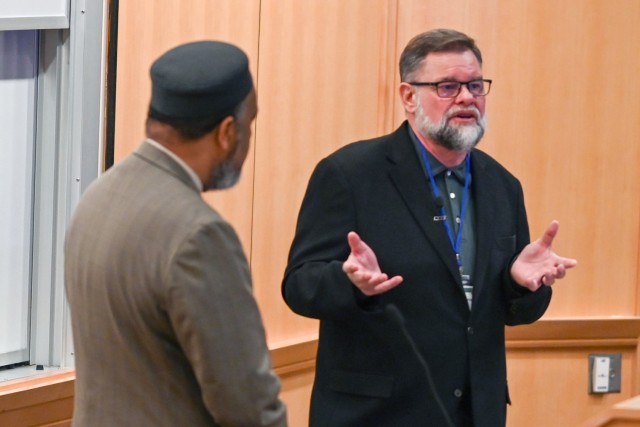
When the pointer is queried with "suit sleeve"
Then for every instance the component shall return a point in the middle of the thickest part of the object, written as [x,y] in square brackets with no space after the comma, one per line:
[314,284]
[218,325]
[523,306]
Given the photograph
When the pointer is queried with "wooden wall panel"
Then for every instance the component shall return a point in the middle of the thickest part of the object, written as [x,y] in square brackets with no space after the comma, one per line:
[563,117]
[148,28]
[324,80]
[296,392]
[327,75]
[577,148]
[548,367]
[549,386]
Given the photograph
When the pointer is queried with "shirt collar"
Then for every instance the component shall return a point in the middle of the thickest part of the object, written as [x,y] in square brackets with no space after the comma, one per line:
[459,171]
[196,180]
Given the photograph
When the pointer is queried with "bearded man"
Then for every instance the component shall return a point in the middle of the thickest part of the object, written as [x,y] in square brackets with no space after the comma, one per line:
[166,331]
[412,321]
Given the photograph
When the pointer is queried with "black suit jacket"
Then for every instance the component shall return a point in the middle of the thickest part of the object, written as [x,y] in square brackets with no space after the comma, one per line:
[367,373]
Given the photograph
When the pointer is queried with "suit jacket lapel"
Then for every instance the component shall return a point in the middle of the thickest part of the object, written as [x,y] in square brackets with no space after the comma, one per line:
[485,204]
[406,172]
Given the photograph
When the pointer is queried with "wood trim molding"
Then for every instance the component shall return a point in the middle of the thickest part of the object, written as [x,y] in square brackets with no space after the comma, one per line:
[293,356]
[627,411]
[35,381]
[41,400]
[576,332]
[298,355]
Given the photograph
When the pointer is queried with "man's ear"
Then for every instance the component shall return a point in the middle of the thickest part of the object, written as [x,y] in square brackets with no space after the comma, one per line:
[226,133]
[408,97]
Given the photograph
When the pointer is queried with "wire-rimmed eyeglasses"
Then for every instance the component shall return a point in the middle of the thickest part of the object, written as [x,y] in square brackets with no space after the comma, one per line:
[478,87]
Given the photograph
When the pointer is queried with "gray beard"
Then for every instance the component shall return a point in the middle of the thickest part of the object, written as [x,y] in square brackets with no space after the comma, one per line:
[224,176]
[455,138]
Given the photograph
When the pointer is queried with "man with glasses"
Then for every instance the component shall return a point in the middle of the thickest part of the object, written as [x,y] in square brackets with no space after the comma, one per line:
[413,250]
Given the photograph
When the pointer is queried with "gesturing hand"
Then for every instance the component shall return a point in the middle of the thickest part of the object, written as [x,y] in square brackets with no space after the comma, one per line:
[538,265]
[363,270]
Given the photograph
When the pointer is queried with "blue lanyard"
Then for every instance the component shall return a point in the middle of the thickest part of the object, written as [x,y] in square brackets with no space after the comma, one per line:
[455,243]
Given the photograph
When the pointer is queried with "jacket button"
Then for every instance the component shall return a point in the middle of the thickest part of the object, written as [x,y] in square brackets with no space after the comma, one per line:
[457,392]
[470,330]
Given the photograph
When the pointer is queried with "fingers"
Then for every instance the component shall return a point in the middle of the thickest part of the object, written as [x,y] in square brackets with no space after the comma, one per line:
[548,279]
[362,268]
[368,283]
[349,267]
[387,285]
[545,277]
[364,279]
[532,284]
[567,262]
[547,239]
[374,287]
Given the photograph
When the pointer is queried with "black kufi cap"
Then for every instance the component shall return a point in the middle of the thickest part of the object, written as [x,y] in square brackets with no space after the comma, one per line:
[200,79]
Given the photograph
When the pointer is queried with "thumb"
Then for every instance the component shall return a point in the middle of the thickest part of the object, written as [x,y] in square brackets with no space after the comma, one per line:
[355,242]
[550,233]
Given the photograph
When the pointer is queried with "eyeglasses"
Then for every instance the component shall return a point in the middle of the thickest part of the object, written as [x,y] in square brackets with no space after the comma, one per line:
[478,87]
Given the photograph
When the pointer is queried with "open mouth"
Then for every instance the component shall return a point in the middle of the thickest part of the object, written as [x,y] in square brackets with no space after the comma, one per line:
[463,116]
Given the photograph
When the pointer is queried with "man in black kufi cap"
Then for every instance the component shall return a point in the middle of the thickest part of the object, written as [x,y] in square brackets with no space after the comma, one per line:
[166,329]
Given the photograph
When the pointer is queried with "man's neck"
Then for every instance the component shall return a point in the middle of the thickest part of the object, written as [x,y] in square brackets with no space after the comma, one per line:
[196,153]
[192,174]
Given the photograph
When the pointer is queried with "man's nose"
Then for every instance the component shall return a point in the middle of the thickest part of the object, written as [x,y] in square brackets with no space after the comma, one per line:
[465,96]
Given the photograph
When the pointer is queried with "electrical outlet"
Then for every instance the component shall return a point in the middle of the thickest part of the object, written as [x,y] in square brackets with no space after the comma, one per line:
[604,373]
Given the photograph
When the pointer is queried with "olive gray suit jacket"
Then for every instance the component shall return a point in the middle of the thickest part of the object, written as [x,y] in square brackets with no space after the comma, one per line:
[368,373]
[166,329]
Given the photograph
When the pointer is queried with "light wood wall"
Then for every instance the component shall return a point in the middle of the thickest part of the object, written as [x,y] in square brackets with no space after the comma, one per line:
[564,116]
